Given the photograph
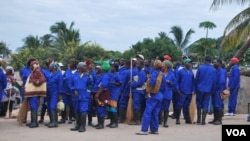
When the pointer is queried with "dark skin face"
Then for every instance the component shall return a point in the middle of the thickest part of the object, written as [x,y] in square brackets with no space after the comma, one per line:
[83,69]
[147,63]
[98,70]
[51,69]
[139,65]
[72,65]
[188,65]
[8,72]
[165,68]
[216,64]
[91,66]
[113,69]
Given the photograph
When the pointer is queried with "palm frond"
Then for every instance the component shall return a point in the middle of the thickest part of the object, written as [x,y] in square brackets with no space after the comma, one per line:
[187,37]
[178,35]
[217,3]
[237,20]
[236,36]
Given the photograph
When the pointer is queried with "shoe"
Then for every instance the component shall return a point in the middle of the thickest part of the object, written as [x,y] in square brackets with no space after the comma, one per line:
[155,133]
[83,123]
[40,121]
[229,114]
[70,121]
[101,123]
[34,122]
[142,133]
[61,121]
[90,124]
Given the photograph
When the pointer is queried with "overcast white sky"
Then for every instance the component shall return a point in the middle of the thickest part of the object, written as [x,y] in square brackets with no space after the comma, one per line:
[113,24]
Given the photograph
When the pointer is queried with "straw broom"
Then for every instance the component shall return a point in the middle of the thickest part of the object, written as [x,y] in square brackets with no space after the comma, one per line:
[8,111]
[192,109]
[129,114]
[22,113]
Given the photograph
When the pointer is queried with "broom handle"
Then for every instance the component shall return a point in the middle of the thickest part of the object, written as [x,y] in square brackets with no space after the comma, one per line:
[8,111]
[131,65]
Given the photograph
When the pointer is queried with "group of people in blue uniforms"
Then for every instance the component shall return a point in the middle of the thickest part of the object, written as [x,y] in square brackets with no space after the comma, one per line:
[88,89]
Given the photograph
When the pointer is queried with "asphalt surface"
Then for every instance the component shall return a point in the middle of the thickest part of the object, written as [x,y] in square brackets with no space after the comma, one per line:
[11,131]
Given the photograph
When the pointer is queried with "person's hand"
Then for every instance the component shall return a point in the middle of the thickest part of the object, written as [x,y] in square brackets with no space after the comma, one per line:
[76,93]
[148,95]
[96,96]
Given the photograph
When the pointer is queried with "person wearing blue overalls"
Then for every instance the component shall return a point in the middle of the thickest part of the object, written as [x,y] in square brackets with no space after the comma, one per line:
[153,103]
[115,85]
[92,73]
[169,80]
[35,87]
[125,90]
[24,74]
[79,85]
[176,66]
[217,102]
[54,88]
[68,93]
[205,82]
[138,92]
[97,81]
[185,87]
[3,82]
[102,95]
[234,86]
[44,102]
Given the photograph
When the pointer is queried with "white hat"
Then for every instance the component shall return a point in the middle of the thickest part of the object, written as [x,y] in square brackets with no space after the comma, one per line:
[10,68]
[60,64]
[140,56]
[134,59]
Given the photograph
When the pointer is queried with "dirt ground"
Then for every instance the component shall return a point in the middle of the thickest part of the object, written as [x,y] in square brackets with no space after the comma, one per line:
[11,131]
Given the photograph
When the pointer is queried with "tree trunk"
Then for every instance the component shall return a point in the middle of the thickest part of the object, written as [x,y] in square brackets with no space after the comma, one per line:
[240,52]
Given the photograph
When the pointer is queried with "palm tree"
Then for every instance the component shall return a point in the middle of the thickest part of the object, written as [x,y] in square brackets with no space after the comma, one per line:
[4,50]
[31,42]
[66,39]
[162,35]
[179,40]
[237,30]
[47,40]
[64,34]
[206,25]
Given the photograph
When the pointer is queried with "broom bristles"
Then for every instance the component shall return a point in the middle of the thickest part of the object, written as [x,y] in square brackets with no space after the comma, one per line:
[22,112]
[129,114]
[192,109]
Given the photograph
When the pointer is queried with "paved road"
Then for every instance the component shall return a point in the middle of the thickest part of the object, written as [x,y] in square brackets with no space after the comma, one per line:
[10,131]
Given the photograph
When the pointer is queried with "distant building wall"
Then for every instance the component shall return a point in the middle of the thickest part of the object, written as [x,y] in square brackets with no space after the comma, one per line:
[243,96]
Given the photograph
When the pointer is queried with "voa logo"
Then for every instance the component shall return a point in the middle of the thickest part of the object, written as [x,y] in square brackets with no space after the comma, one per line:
[236,132]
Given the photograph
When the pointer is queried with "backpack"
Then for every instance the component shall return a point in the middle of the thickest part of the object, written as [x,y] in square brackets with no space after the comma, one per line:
[155,89]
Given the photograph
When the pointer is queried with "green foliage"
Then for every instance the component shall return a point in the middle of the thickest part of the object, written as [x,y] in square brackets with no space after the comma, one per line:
[180,40]
[207,25]
[4,50]
[152,48]
[92,51]
[63,43]
[197,48]
[19,60]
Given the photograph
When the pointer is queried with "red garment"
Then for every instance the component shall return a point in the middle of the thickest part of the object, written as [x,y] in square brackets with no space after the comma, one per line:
[234,60]
[167,57]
